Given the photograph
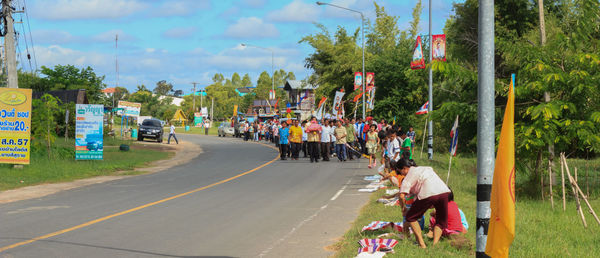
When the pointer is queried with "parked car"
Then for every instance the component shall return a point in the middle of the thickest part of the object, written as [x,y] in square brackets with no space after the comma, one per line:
[151,128]
[225,129]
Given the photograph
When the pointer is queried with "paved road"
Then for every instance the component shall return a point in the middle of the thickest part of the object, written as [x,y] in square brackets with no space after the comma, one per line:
[200,209]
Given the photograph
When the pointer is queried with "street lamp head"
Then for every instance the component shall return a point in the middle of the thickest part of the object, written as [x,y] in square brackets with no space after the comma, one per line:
[320,3]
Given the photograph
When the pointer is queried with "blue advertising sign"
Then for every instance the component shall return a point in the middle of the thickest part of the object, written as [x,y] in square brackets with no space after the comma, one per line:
[89,140]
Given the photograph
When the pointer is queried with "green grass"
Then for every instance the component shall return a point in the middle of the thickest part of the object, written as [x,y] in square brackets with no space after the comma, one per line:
[540,231]
[63,169]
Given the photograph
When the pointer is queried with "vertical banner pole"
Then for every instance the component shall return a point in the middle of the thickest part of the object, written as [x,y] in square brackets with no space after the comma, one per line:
[424,133]
[485,123]
[449,167]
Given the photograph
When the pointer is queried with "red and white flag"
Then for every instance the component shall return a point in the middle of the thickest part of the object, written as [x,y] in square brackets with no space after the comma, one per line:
[424,109]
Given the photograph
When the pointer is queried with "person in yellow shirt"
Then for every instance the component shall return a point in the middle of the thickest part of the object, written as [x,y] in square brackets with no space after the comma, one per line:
[295,139]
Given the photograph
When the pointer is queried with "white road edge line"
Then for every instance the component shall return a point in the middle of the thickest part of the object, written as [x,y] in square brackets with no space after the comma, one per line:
[311,217]
[340,191]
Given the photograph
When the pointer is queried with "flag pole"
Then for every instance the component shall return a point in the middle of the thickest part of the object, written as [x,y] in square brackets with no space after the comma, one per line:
[424,133]
[449,167]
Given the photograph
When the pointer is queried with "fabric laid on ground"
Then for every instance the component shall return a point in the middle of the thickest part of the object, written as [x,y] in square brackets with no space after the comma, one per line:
[377,225]
[372,178]
[367,190]
[392,191]
[370,255]
[376,245]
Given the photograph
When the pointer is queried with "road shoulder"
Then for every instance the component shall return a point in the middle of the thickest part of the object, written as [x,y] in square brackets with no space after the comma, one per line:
[184,153]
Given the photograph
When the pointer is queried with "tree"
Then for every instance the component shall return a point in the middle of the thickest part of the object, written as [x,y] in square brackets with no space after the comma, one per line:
[66,77]
[177,93]
[163,88]
[263,85]
[236,81]
[141,88]
[218,78]
[246,81]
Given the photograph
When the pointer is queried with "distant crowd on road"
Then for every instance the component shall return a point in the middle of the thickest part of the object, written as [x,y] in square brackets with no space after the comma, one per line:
[346,139]
[419,188]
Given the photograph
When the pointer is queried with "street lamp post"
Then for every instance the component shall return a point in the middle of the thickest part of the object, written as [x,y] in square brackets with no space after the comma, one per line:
[362,29]
[272,64]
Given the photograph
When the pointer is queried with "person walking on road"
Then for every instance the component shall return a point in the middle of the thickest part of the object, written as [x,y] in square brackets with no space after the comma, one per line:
[313,131]
[351,139]
[295,139]
[172,134]
[340,143]
[304,140]
[283,140]
[325,140]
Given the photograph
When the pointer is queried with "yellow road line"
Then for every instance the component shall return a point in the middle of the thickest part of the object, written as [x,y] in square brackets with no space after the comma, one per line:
[92,222]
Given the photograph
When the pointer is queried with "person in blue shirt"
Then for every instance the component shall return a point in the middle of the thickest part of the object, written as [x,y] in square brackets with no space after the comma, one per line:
[284,133]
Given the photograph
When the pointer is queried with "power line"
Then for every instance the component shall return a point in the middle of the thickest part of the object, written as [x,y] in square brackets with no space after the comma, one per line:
[30,36]
[26,44]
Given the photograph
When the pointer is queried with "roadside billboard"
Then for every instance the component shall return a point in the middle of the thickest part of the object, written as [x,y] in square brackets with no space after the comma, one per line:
[130,108]
[89,140]
[15,125]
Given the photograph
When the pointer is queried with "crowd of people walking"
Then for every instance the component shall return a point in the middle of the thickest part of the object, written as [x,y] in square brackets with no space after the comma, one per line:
[419,188]
[344,139]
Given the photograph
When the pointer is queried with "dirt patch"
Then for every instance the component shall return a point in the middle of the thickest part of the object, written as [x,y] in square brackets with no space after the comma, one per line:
[183,153]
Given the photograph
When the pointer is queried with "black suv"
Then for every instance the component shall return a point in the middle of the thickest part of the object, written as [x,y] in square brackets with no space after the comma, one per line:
[151,128]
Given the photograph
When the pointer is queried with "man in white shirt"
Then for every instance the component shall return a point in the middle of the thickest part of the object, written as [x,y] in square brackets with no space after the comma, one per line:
[430,191]
[325,140]
[172,134]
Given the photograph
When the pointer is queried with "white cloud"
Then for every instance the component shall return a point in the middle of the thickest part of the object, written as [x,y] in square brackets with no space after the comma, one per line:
[180,7]
[179,32]
[251,27]
[54,37]
[53,55]
[296,11]
[85,9]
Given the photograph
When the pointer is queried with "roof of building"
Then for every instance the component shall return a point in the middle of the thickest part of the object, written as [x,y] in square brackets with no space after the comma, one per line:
[298,85]
[66,96]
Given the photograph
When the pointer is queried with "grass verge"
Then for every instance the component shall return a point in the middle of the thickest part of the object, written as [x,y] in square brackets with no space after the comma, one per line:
[540,230]
[64,169]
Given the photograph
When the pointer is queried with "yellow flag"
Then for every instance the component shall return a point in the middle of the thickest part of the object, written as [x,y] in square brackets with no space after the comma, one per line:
[501,230]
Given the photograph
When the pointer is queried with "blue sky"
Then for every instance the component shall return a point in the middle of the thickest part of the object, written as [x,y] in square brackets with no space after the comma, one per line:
[189,40]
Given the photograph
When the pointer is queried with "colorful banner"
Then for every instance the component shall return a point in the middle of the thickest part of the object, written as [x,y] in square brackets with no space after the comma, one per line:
[371,99]
[357,97]
[271,94]
[235,109]
[439,47]
[130,108]
[320,108]
[337,103]
[418,61]
[501,232]
[357,80]
[370,81]
[89,139]
[198,119]
[15,125]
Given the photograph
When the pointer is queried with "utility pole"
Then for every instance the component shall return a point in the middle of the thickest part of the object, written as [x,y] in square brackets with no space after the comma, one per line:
[486,140]
[212,108]
[430,125]
[194,97]
[9,45]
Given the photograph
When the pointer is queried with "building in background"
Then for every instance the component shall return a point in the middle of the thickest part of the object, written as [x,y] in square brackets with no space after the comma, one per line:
[301,97]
